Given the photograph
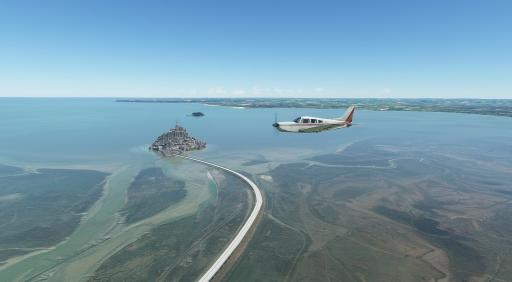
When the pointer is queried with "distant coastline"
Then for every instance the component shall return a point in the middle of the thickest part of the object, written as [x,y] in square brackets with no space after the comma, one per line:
[493,107]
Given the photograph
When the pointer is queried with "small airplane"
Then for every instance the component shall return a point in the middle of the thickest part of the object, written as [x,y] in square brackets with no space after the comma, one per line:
[307,124]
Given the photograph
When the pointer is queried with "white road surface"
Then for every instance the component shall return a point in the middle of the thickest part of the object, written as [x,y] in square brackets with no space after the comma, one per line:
[216,266]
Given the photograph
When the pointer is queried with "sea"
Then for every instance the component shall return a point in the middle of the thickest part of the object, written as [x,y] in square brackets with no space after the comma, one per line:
[110,136]
[93,132]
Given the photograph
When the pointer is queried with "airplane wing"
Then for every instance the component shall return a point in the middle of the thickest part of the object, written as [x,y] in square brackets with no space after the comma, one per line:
[320,128]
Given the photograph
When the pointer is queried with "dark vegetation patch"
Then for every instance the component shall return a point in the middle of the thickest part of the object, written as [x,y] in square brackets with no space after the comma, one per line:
[429,226]
[489,182]
[506,192]
[270,253]
[291,175]
[183,249]
[423,224]
[351,192]
[465,260]
[9,170]
[255,162]
[500,223]
[150,193]
[9,253]
[429,205]
[334,159]
[358,154]
[41,209]
[288,192]
[343,258]
[324,211]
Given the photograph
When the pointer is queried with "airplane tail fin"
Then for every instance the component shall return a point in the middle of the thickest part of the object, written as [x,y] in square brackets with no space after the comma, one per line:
[349,114]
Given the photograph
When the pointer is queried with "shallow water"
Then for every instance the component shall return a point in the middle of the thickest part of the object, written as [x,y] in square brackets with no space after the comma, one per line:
[105,135]
[101,131]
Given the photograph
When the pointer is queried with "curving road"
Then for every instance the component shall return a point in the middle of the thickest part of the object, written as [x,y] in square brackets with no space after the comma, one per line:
[217,265]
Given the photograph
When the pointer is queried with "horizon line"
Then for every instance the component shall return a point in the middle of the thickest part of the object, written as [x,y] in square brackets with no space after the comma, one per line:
[247,97]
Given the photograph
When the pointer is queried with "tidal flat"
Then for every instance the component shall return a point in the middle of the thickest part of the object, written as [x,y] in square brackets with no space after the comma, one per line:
[39,209]
[429,192]
[151,192]
[426,218]
[183,249]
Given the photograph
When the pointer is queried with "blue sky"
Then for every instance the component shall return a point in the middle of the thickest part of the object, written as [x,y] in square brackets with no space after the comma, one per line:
[395,48]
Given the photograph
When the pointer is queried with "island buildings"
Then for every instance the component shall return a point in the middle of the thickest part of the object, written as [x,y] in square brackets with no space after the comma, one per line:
[176,141]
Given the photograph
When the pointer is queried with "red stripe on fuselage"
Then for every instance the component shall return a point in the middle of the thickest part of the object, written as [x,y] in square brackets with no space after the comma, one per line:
[319,124]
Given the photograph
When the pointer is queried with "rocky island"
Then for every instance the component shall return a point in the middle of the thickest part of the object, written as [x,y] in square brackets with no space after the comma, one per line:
[176,141]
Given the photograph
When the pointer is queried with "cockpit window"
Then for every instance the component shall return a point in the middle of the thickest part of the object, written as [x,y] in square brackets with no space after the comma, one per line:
[297,120]
[306,120]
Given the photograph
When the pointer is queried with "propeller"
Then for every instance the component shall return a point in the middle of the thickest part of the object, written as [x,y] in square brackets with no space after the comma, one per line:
[276,125]
[275,121]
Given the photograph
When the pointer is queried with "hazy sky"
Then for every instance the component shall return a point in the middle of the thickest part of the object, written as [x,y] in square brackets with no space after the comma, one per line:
[407,48]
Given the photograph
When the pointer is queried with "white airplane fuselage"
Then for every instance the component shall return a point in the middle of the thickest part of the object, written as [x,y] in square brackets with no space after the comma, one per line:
[316,124]
[291,126]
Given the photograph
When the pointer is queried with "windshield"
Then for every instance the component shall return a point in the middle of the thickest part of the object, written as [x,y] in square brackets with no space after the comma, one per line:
[297,120]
